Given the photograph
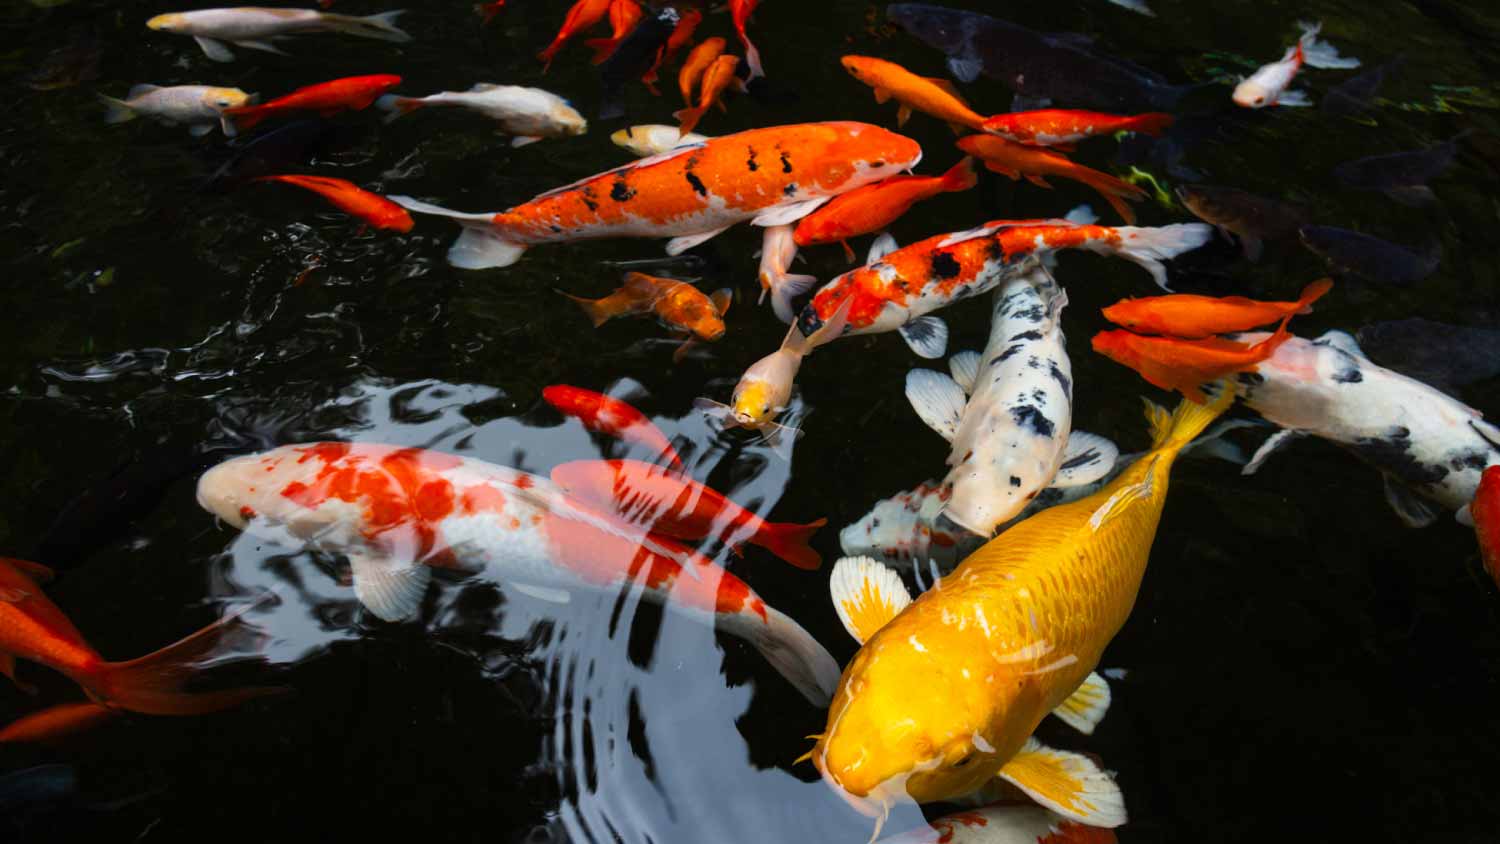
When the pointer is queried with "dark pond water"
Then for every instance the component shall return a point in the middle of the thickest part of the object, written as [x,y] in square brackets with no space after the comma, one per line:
[1300,666]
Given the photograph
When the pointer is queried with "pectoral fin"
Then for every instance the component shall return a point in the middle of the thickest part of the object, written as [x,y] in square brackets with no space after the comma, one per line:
[1085,708]
[866,594]
[215,50]
[965,369]
[1069,784]
[1267,448]
[782,215]
[938,400]
[679,245]
[8,668]
[965,68]
[903,114]
[263,46]
[523,140]
[391,589]
[882,96]
[926,335]
[1413,510]
[1085,459]
[883,245]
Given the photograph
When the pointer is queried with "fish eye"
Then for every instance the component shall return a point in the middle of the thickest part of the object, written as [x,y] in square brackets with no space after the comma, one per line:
[1259,100]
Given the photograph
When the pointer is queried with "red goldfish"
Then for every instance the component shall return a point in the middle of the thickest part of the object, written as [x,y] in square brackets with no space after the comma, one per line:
[1185,365]
[741,10]
[33,628]
[696,63]
[873,207]
[1017,160]
[581,17]
[670,504]
[718,77]
[680,37]
[606,415]
[353,200]
[1193,317]
[1485,512]
[623,16]
[352,93]
[1058,127]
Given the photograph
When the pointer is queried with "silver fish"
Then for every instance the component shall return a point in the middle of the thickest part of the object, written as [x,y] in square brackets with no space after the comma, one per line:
[254,27]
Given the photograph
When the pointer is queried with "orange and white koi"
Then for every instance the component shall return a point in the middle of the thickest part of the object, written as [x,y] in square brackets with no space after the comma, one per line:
[936,97]
[1185,365]
[581,17]
[374,209]
[681,36]
[1268,85]
[716,79]
[1194,317]
[1057,127]
[677,304]
[608,415]
[696,63]
[623,16]
[874,207]
[255,28]
[351,93]
[769,177]
[395,512]
[741,10]
[1035,163]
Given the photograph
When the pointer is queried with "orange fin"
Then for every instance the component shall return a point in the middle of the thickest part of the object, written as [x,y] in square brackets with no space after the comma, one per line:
[789,542]
[36,571]
[56,722]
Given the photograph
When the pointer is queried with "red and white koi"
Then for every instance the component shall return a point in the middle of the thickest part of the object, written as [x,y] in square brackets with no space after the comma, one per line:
[396,512]
[769,177]
[528,114]
[1268,85]
[255,28]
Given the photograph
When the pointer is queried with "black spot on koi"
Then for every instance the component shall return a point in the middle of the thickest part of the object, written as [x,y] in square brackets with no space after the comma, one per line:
[697,183]
[1057,374]
[621,192]
[786,163]
[1032,418]
[945,266]
[751,163]
[1027,335]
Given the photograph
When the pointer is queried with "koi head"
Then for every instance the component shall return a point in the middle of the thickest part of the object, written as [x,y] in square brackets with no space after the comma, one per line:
[1117,346]
[220,99]
[1126,313]
[1251,94]
[567,119]
[863,68]
[875,152]
[648,139]
[167,23]
[765,389]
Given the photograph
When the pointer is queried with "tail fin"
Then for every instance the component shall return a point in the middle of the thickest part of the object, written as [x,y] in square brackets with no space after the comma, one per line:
[688,118]
[547,55]
[480,246]
[1317,53]
[591,308]
[1115,191]
[790,649]
[603,48]
[56,722]
[1148,247]
[117,111]
[381,27]
[1174,431]
[397,107]
[1312,293]
[752,57]
[1152,124]
[960,176]
[791,287]
[789,542]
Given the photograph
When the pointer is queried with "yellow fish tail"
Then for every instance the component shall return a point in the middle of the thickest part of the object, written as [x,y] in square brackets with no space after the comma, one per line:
[1173,431]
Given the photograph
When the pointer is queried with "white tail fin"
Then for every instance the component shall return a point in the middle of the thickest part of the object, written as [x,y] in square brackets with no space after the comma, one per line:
[782,294]
[382,26]
[480,246]
[397,107]
[752,57]
[790,649]
[1317,53]
[1148,247]
[117,111]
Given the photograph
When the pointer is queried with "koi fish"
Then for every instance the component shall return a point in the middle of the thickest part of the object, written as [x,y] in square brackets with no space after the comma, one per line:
[1056,127]
[397,511]
[1484,510]
[352,93]
[1195,317]
[946,690]
[904,530]
[777,251]
[56,722]
[1185,365]
[374,209]
[255,28]
[637,54]
[528,114]
[1005,824]
[1351,98]
[676,303]
[606,415]
[623,16]
[34,629]
[770,176]
[1016,160]
[1253,219]
[1370,257]
[696,64]
[765,390]
[874,207]
[650,139]
[1430,448]
[581,17]
[1268,85]
[740,11]
[718,77]
[1402,176]
[199,107]
[668,503]
[1012,435]
[680,37]
[936,97]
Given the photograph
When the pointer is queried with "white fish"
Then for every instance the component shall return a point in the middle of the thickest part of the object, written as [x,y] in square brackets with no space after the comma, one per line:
[650,139]
[902,531]
[199,107]
[1268,85]
[1429,447]
[254,27]
[777,251]
[530,114]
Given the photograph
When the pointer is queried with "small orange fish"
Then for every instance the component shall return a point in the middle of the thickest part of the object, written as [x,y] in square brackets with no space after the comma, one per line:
[720,75]
[698,61]
[740,11]
[676,303]
[1193,317]
[936,97]
[873,207]
[353,200]
[1016,160]
[56,722]
[687,24]
[1485,511]
[580,18]
[623,16]
[1185,365]
[351,93]
[1059,127]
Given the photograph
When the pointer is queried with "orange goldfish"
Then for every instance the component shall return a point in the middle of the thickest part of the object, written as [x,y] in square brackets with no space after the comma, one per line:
[680,37]
[1059,128]
[1484,510]
[676,303]
[741,10]
[374,209]
[1193,317]
[873,207]
[1185,365]
[693,67]
[1017,160]
[56,722]
[581,17]
[33,628]
[623,16]
[718,77]
[936,97]
[351,93]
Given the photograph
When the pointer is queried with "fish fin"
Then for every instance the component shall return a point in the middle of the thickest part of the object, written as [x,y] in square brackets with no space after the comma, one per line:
[789,542]
[198,130]
[226,125]
[263,46]
[950,89]
[1038,181]
[215,50]
[381,27]
[964,68]
[1085,459]
[964,367]
[391,589]
[722,299]
[117,111]
[1312,293]
[140,90]
[1321,54]
[1213,443]
[1416,196]
[1148,247]
[903,114]
[752,58]
[789,648]
[1009,172]
[56,722]
[961,176]
[479,246]
[1153,123]
[883,245]
[1184,424]
[1085,707]
[541,593]
[522,140]
[938,400]
[8,668]
[848,251]
[37,572]
[1069,784]
[1115,191]
[1124,496]
[396,106]
[790,288]
[688,118]
[882,96]
[602,48]
[679,245]
[1413,510]
[866,594]
[926,335]
[791,212]
[1464,516]
[1294,99]
[591,308]
[1082,215]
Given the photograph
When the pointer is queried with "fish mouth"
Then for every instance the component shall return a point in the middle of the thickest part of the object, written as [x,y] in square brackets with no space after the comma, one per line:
[160,22]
